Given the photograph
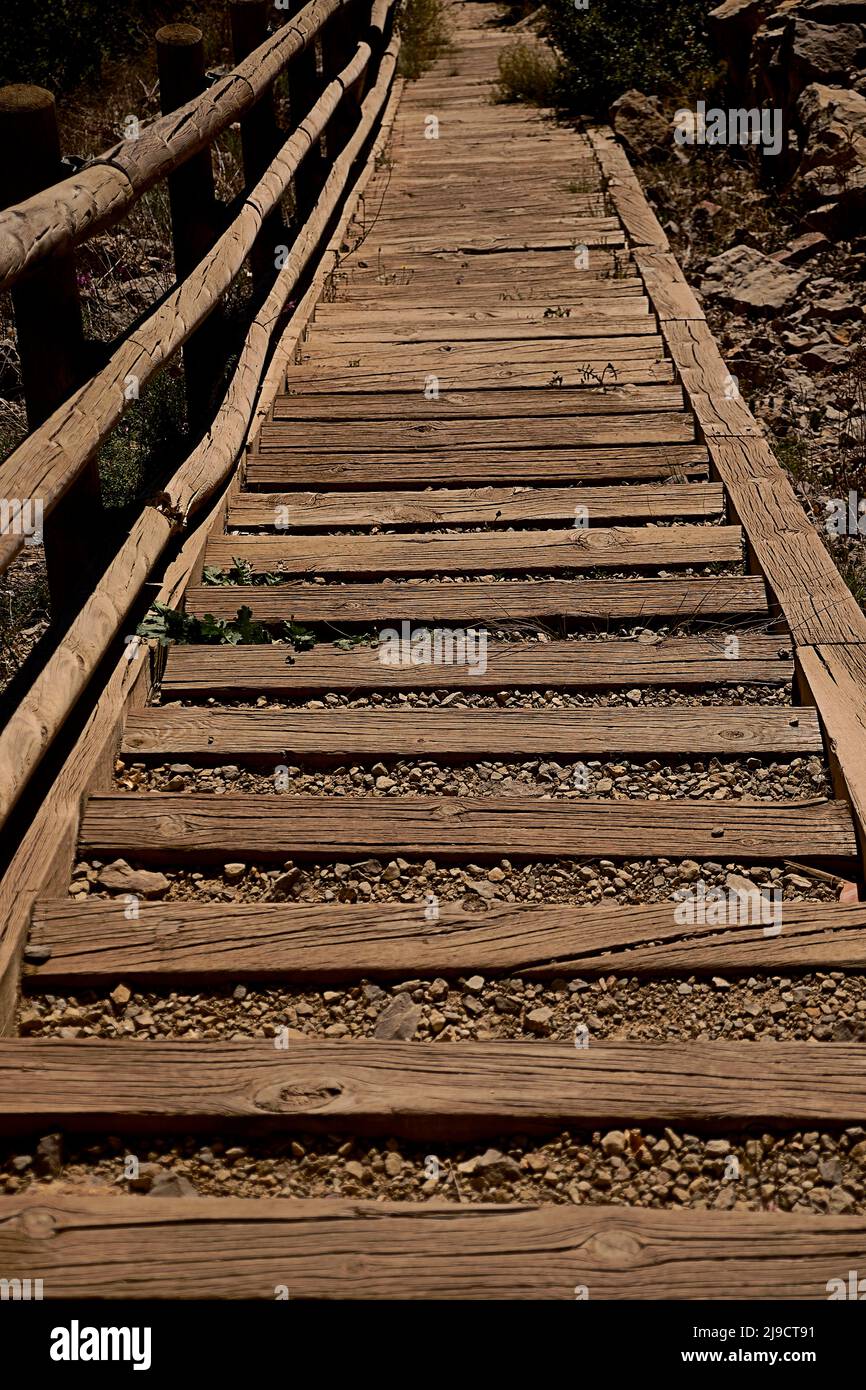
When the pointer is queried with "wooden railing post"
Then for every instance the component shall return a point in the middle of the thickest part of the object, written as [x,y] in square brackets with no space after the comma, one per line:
[340,38]
[50,337]
[260,137]
[180,63]
[305,86]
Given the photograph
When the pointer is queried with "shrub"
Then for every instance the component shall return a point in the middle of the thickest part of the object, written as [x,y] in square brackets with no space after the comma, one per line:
[527,73]
[606,49]
[424,35]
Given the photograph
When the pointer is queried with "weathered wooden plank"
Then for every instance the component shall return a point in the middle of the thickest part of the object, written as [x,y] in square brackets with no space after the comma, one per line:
[663,427]
[417,1090]
[817,603]
[573,548]
[398,408]
[189,828]
[290,511]
[487,601]
[453,283]
[711,389]
[572,329]
[472,370]
[670,292]
[835,678]
[587,366]
[339,316]
[623,188]
[676,661]
[213,733]
[598,232]
[629,463]
[234,1247]
[92,942]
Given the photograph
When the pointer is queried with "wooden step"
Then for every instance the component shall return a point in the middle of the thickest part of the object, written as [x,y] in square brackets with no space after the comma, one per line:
[471,366]
[425,1090]
[487,601]
[400,407]
[452,287]
[231,734]
[290,511]
[92,943]
[337,316]
[570,548]
[522,236]
[526,466]
[242,1247]
[157,827]
[590,365]
[676,661]
[549,330]
[664,427]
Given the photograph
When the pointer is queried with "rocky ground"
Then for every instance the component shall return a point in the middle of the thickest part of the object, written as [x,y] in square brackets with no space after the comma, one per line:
[823,1006]
[804,1171]
[715,779]
[650,697]
[773,243]
[470,885]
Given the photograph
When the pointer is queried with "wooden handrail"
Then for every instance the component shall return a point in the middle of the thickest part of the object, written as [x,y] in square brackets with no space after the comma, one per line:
[48,461]
[51,458]
[105,190]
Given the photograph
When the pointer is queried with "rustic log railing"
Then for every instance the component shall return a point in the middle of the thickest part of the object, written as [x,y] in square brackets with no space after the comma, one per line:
[349,96]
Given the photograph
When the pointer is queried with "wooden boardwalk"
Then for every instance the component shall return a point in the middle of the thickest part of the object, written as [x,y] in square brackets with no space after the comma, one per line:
[508,409]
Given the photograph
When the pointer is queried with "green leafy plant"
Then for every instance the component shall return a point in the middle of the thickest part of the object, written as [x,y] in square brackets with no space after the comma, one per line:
[606,49]
[303,639]
[171,625]
[240,572]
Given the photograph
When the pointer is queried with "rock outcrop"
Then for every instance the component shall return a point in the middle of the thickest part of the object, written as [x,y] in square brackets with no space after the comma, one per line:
[806,58]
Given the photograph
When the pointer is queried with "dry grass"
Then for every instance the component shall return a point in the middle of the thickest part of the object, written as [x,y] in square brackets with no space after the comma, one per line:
[527,73]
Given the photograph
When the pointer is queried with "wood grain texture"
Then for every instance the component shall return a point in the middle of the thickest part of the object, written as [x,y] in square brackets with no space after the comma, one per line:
[487,601]
[816,602]
[711,389]
[160,827]
[425,1090]
[98,195]
[471,366]
[291,511]
[638,219]
[422,552]
[244,1248]
[265,734]
[92,943]
[670,294]
[48,461]
[548,330]
[576,665]
[835,678]
[659,427]
[387,467]
[398,408]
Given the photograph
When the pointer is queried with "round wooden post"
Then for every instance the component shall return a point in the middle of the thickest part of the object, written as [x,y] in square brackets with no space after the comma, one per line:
[180,64]
[305,87]
[340,38]
[260,136]
[50,335]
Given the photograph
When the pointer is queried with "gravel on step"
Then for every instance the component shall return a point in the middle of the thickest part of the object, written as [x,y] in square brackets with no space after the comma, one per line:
[803,1171]
[648,697]
[713,779]
[471,886]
